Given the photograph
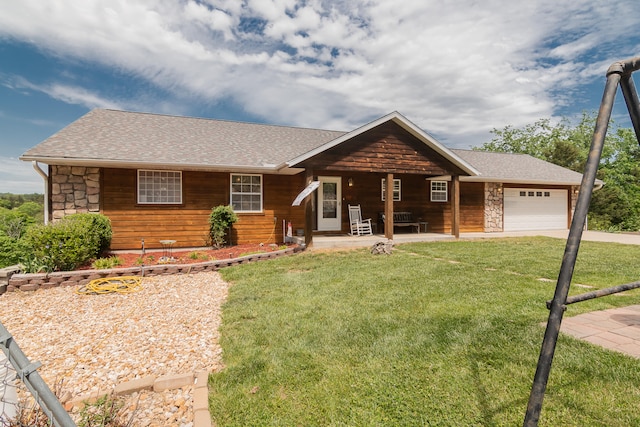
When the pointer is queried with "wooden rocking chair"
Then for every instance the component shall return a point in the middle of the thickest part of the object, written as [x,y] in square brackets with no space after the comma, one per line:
[359,226]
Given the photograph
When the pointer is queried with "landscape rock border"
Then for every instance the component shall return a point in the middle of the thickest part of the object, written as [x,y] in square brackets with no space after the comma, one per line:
[12,280]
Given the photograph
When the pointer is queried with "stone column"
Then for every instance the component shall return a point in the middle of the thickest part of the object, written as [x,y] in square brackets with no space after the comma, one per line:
[493,207]
[74,189]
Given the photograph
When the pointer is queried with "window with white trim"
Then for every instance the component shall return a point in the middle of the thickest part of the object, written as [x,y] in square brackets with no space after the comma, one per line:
[396,189]
[159,187]
[246,193]
[439,191]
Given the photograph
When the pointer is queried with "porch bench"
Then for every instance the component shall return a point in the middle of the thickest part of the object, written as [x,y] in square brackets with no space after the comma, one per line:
[404,219]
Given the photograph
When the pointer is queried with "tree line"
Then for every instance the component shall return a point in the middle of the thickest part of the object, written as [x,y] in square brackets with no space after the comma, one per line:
[616,206]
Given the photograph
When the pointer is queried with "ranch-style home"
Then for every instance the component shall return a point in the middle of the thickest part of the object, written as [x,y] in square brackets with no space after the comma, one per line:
[157,177]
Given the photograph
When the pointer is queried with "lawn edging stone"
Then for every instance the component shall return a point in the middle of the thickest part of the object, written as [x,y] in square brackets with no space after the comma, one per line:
[33,281]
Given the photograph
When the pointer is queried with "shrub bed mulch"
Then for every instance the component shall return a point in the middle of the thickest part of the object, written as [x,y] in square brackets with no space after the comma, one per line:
[192,256]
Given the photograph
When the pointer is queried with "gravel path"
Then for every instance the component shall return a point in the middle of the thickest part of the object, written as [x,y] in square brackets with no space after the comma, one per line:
[93,342]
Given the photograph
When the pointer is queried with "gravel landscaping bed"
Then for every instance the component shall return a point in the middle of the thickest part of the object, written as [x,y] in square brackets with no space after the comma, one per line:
[92,343]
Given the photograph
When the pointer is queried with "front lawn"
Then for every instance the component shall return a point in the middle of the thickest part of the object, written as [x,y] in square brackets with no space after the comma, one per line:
[437,334]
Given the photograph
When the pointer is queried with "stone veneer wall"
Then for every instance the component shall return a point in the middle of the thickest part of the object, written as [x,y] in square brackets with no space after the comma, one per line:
[493,207]
[74,189]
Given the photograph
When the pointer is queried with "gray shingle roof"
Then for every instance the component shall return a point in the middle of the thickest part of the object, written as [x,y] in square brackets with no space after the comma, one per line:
[119,137]
[516,168]
[128,139]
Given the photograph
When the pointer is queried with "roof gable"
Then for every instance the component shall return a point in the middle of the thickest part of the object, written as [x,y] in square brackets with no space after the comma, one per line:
[403,123]
[386,148]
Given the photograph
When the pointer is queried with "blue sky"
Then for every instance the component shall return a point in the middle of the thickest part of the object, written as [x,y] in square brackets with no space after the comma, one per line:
[456,69]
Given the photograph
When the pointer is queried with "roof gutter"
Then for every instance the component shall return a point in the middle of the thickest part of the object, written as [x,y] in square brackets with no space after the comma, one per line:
[597,185]
[46,190]
[66,161]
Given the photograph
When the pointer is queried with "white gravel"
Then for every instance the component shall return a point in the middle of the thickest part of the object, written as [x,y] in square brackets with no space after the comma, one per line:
[93,342]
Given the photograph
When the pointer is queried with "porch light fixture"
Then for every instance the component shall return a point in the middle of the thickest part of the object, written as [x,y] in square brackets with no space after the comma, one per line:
[350,182]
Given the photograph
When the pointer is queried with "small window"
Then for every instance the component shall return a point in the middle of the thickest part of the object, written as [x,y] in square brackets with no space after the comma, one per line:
[439,191]
[523,194]
[396,189]
[159,187]
[246,193]
[531,193]
[539,194]
[547,194]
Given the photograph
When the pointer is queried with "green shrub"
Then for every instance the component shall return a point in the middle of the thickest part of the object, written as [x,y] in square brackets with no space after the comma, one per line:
[197,255]
[104,263]
[98,227]
[221,219]
[68,243]
[12,251]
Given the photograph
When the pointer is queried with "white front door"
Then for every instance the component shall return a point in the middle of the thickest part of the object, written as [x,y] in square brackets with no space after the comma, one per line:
[330,203]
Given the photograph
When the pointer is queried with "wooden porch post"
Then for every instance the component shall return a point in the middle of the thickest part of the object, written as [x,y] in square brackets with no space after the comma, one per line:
[388,208]
[308,211]
[455,206]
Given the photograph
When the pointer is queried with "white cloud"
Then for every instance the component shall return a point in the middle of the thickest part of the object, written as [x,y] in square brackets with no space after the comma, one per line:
[457,69]
[19,177]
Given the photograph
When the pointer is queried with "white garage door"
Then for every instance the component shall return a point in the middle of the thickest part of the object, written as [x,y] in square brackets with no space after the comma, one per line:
[535,209]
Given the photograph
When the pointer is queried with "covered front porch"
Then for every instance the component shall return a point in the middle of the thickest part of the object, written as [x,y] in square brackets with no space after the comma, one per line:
[388,166]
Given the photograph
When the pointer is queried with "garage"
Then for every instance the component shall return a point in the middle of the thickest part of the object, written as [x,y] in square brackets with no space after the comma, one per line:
[535,209]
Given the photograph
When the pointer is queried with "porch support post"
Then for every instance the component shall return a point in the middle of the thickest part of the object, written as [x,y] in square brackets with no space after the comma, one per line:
[455,206]
[308,211]
[388,208]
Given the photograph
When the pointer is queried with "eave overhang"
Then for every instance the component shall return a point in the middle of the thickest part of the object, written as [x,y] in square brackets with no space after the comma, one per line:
[282,169]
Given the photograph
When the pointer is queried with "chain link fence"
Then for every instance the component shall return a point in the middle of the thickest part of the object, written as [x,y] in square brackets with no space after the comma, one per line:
[8,392]
[25,399]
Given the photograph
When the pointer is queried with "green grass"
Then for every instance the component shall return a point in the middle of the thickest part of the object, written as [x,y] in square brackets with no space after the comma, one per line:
[437,334]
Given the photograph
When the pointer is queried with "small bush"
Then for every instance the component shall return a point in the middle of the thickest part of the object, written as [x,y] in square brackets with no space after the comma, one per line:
[68,243]
[197,255]
[221,219]
[12,251]
[104,263]
[98,227]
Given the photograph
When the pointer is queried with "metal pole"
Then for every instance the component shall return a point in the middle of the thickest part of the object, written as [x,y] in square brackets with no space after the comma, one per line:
[633,105]
[601,293]
[39,389]
[570,254]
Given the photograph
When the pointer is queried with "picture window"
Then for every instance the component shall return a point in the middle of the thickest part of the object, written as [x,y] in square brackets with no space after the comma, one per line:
[159,187]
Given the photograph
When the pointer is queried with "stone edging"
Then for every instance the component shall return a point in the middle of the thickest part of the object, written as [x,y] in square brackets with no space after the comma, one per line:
[201,415]
[34,281]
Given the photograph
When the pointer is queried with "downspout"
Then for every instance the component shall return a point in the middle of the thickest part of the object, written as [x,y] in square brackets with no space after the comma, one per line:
[46,190]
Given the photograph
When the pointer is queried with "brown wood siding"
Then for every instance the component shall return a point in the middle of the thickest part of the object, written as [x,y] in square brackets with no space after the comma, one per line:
[387,148]
[188,223]
[471,207]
